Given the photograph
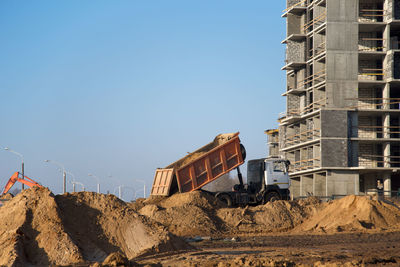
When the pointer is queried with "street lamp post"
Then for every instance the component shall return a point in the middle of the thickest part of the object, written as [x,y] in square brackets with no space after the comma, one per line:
[98,182]
[63,170]
[76,182]
[119,191]
[119,187]
[73,180]
[144,187]
[22,165]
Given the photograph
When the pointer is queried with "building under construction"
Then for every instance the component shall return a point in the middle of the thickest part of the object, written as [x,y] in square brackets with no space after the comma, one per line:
[341,128]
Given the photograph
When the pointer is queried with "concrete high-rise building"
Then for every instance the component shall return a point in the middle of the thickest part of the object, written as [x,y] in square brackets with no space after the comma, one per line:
[341,128]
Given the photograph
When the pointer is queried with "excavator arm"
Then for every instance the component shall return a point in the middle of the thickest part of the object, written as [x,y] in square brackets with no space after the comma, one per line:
[15,178]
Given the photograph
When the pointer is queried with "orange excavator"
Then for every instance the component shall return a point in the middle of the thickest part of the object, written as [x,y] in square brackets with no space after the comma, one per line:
[15,178]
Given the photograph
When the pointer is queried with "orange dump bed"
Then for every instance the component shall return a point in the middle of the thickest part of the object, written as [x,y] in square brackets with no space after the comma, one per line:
[200,167]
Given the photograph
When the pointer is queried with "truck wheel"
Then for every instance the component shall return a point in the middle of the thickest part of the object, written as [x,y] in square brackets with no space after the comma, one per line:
[226,199]
[272,196]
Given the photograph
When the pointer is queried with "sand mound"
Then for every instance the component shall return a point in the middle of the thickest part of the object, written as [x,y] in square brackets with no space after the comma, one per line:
[7,196]
[272,217]
[31,231]
[188,220]
[200,213]
[38,228]
[186,214]
[353,213]
[196,198]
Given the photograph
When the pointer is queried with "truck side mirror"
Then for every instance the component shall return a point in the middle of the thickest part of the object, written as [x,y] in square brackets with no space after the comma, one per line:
[287,163]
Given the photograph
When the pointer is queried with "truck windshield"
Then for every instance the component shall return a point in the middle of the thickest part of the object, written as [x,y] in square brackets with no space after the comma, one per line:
[279,166]
[254,171]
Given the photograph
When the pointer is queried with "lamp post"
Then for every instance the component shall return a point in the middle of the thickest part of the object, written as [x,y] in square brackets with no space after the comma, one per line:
[119,191]
[73,180]
[144,187]
[22,165]
[63,170]
[98,182]
[76,182]
[119,187]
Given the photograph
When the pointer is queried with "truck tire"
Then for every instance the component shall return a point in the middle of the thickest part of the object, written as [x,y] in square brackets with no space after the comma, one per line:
[226,199]
[272,196]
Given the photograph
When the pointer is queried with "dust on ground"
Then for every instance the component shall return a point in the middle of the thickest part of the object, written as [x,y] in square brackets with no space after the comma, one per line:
[196,229]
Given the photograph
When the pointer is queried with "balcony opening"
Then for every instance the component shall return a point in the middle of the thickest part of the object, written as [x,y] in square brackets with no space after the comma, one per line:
[379,129]
[396,7]
[370,98]
[395,156]
[395,38]
[371,11]
[396,64]
[379,158]
[371,41]
[394,97]
[394,127]
[370,70]
[370,155]
[310,48]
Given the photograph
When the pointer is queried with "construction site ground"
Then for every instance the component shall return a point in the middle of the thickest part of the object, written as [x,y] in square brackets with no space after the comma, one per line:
[345,249]
[38,228]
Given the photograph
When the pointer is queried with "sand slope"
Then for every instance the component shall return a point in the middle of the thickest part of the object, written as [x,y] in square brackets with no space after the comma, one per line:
[353,213]
[39,228]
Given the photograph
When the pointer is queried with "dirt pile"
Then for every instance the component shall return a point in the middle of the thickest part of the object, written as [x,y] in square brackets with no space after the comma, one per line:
[31,231]
[353,213]
[186,214]
[275,216]
[39,228]
[200,213]
[7,196]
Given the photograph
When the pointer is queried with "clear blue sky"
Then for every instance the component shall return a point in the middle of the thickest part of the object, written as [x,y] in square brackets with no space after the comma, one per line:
[123,87]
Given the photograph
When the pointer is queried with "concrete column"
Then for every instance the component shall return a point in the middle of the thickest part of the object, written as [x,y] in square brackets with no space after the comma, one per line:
[387,183]
[386,155]
[357,185]
[386,125]
[326,183]
[386,96]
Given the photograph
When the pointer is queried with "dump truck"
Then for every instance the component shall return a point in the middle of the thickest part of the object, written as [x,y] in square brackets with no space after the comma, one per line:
[267,178]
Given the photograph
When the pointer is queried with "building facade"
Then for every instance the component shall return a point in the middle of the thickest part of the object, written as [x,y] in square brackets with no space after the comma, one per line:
[341,128]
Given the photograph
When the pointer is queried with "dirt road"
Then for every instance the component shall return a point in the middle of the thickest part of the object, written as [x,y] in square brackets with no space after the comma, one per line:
[358,249]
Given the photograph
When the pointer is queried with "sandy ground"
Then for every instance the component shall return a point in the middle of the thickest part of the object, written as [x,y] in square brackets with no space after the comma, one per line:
[38,228]
[351,249]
